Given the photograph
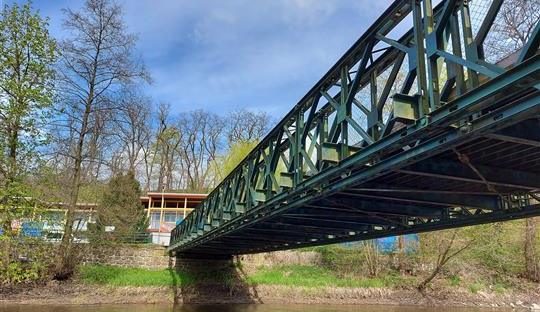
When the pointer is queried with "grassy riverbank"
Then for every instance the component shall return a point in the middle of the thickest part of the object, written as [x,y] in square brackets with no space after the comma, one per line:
[274,284]
[488,259]
[309,276]
[304,276]
[488,270]
[290,275]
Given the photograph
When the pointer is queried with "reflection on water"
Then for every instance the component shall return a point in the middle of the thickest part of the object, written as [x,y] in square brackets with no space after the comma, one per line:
[233,308]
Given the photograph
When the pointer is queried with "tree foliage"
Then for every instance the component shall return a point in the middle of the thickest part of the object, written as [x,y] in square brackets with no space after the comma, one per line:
[225,164]
[27,55]
[121,209]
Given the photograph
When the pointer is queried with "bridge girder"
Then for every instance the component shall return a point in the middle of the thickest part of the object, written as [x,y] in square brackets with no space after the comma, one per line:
[348,162]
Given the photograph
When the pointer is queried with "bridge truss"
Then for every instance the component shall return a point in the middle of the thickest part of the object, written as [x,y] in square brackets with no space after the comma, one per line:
[397,137]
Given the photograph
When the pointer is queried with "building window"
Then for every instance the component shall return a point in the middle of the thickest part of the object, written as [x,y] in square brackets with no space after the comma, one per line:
[81,222]
[170,217]
[53,220]
[154,220]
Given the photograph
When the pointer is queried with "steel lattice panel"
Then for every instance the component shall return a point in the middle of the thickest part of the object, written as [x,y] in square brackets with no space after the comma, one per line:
[457,144]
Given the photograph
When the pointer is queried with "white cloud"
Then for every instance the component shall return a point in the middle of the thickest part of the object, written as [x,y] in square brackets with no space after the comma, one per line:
[217,54]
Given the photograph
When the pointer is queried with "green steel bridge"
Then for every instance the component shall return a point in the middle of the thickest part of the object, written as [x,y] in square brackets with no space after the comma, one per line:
[419,126]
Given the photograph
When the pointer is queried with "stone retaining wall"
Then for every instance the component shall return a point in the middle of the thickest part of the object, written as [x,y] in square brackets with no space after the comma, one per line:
[147,257]
[277,258]
[156,257]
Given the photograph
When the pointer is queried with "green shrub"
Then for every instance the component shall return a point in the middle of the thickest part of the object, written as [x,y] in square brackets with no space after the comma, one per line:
[29,261]
[499,247]
[344,261]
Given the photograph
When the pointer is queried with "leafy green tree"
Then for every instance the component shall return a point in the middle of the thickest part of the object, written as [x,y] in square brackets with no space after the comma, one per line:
[120,208]
[27,55]
[225,164]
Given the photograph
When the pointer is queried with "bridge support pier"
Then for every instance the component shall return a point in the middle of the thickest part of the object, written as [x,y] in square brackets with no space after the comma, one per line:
[217,279]
[202,263]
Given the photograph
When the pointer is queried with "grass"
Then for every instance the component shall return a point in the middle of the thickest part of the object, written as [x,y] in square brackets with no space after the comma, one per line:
[117,276]
[308,276]
[499,289]
[454,281]
[474,288]
[293,275]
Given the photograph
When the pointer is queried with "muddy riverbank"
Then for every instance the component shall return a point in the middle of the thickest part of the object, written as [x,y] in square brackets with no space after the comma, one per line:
[72,293]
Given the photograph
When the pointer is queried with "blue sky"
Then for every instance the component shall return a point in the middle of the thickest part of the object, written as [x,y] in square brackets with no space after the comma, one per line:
[222,55]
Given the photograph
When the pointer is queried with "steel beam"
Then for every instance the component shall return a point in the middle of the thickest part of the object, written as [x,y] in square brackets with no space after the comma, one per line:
[525,133]
[444,169]
[307,170]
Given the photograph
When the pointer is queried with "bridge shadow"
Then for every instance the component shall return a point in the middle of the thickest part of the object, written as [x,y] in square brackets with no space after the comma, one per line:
[210,281]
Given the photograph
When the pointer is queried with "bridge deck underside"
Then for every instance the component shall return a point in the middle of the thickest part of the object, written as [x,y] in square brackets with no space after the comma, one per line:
[410,131]
[466,184]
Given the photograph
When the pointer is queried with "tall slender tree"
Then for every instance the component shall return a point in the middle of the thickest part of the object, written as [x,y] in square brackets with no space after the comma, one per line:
[96,60]
[120,207]
[27,55]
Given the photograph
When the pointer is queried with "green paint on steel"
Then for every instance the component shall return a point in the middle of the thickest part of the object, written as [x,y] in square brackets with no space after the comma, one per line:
[337,140]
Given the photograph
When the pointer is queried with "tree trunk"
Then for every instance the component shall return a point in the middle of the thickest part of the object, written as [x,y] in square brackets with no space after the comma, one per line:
[6,245]
[64,264]
[7,218]
[442,259]
[64,260]
[422,286]
[531,261]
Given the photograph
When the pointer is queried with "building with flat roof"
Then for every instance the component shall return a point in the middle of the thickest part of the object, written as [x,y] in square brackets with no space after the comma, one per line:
[166,210]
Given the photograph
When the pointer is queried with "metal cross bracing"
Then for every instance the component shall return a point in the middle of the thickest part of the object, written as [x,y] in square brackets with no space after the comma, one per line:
[397,137]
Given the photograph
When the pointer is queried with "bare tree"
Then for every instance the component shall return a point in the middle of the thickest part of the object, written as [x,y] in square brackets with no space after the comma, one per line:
[247,126]
[372,256]
[132,126]
[512,28]
[99,134]
[148,156]
[150,147]
[448,246]
[531,261]
[165,148]
[203,132]
[169,141]
[96,60]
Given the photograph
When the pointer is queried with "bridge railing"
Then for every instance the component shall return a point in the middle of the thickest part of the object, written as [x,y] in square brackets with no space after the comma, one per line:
[383,85]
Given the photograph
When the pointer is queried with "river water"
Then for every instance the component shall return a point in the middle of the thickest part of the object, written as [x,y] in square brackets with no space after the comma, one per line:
[234,308]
